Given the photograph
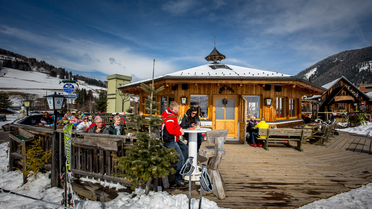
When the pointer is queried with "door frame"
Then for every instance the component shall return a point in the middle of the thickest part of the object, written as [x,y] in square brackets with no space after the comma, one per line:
[242,120]
[228,96]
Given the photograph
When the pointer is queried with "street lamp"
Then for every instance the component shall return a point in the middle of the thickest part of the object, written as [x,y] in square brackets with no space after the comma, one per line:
[27,104]
[55,102]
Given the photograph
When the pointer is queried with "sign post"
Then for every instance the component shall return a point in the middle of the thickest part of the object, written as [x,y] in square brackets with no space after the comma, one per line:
[68,88]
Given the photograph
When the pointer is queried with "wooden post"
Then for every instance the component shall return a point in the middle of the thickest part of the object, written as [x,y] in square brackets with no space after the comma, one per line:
[24,161]
[55,160]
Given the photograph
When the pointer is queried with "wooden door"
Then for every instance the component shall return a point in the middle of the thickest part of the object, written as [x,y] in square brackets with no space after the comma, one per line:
[242,119]
[226,115]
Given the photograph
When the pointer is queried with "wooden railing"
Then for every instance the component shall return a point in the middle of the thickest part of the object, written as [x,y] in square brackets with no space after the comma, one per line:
[92,154]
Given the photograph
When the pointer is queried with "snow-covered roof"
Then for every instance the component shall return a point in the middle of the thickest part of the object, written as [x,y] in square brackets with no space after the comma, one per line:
[332,83]
[369,94]
[217,71]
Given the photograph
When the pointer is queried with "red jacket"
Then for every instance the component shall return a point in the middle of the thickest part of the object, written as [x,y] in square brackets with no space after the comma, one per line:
[170,129]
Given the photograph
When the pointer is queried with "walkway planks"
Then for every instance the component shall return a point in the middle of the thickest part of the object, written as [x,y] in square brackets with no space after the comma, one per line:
[286,178]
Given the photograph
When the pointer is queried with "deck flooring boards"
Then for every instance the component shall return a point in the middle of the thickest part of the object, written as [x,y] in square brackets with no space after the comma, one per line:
[286,178]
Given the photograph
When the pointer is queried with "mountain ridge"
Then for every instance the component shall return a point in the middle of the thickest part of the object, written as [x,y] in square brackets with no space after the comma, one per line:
[355,65]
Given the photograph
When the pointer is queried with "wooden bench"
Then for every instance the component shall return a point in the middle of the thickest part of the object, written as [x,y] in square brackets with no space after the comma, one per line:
[284,134]
[214,155]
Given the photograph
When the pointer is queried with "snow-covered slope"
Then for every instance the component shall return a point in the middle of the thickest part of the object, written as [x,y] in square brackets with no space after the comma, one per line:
[32,82]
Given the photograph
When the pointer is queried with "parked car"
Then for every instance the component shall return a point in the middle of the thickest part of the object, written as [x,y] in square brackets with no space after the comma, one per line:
[3,117]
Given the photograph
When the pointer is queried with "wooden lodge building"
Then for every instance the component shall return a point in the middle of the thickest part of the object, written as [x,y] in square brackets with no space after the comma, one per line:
[340,96]
[227,95]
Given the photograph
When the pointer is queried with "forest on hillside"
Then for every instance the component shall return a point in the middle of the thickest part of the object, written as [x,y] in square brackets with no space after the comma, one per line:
[29,64]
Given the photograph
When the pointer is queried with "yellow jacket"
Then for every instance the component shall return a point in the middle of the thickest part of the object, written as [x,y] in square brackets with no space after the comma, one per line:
[262,125]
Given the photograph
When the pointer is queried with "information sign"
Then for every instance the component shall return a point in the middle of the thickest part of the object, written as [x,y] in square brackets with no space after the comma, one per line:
[68,88]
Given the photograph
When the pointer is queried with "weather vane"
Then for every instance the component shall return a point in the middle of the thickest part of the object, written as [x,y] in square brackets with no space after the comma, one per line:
[214,41]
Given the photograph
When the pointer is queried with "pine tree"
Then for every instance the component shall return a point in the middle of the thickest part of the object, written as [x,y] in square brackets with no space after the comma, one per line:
[147,158]
[4,100]
[101,102]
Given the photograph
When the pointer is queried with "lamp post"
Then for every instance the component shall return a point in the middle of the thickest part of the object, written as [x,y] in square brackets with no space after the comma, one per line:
[27,104]
[55,102]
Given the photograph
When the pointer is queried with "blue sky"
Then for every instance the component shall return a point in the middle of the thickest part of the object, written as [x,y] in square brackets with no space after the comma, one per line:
[99,38]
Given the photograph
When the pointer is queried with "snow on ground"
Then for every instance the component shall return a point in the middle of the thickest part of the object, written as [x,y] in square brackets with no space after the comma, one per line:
[40,188]
[9,119]
[363,130]
[32,82]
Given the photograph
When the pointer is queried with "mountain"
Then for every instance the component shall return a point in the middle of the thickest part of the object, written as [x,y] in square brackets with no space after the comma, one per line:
[16,61]
[355,65]
[33,85]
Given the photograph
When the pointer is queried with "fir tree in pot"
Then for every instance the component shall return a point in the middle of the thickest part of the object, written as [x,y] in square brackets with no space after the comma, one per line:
[147,158]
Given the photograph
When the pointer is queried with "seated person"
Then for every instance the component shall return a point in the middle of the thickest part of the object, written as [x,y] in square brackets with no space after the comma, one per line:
[261,125]
[63,121]
[252,123]
[74,120]
[94,123]
[99,128]
[84,125]
[307,119]
[80,115]
[46,119]
[67,114]
[116,128]
[121,116]
[191,120]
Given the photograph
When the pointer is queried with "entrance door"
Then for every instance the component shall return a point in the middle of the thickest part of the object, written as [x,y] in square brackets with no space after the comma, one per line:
[242,120]
[225,114]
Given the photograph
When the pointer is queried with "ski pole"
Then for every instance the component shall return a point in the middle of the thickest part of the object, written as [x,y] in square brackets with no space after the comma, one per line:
[10,192]
[187,170]
[205,183]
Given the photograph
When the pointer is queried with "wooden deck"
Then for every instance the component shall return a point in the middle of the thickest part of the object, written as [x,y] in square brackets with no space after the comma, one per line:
[286,178]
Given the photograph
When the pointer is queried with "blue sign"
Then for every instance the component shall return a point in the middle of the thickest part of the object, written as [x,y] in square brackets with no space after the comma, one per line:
[71,96]
[68,88]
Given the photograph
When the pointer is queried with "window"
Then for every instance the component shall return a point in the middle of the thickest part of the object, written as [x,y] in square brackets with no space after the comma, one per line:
[201,103]
[164,103]
[280,107]
[341,105]
[253,106]
[336,106]
[292,108]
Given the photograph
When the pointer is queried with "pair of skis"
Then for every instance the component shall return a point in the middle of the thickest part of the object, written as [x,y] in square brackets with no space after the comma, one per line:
[68,194]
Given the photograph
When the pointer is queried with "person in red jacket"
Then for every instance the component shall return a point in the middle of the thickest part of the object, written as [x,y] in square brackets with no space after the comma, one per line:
[170,132]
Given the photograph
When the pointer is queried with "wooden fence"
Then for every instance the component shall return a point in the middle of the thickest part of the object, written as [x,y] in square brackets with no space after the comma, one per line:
[91,153]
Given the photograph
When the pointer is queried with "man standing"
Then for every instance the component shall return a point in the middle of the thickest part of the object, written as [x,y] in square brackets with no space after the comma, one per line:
[170,132]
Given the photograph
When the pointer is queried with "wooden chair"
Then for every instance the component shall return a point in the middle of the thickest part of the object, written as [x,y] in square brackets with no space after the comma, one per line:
[323,136]
[214,155]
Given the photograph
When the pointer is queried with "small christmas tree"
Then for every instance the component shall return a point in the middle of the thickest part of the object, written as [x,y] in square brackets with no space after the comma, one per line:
[36,158]
[147,158]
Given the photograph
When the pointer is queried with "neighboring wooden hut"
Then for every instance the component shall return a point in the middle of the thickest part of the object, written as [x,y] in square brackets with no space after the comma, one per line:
[341,96]
[227,95]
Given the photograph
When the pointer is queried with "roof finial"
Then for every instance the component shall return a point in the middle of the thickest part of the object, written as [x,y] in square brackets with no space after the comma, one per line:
[214,41]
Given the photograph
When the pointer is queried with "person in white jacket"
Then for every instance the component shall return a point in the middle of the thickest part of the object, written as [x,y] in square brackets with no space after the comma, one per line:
[84,125]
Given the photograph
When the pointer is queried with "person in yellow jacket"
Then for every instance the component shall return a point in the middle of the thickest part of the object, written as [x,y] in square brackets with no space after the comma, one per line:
[261,125]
